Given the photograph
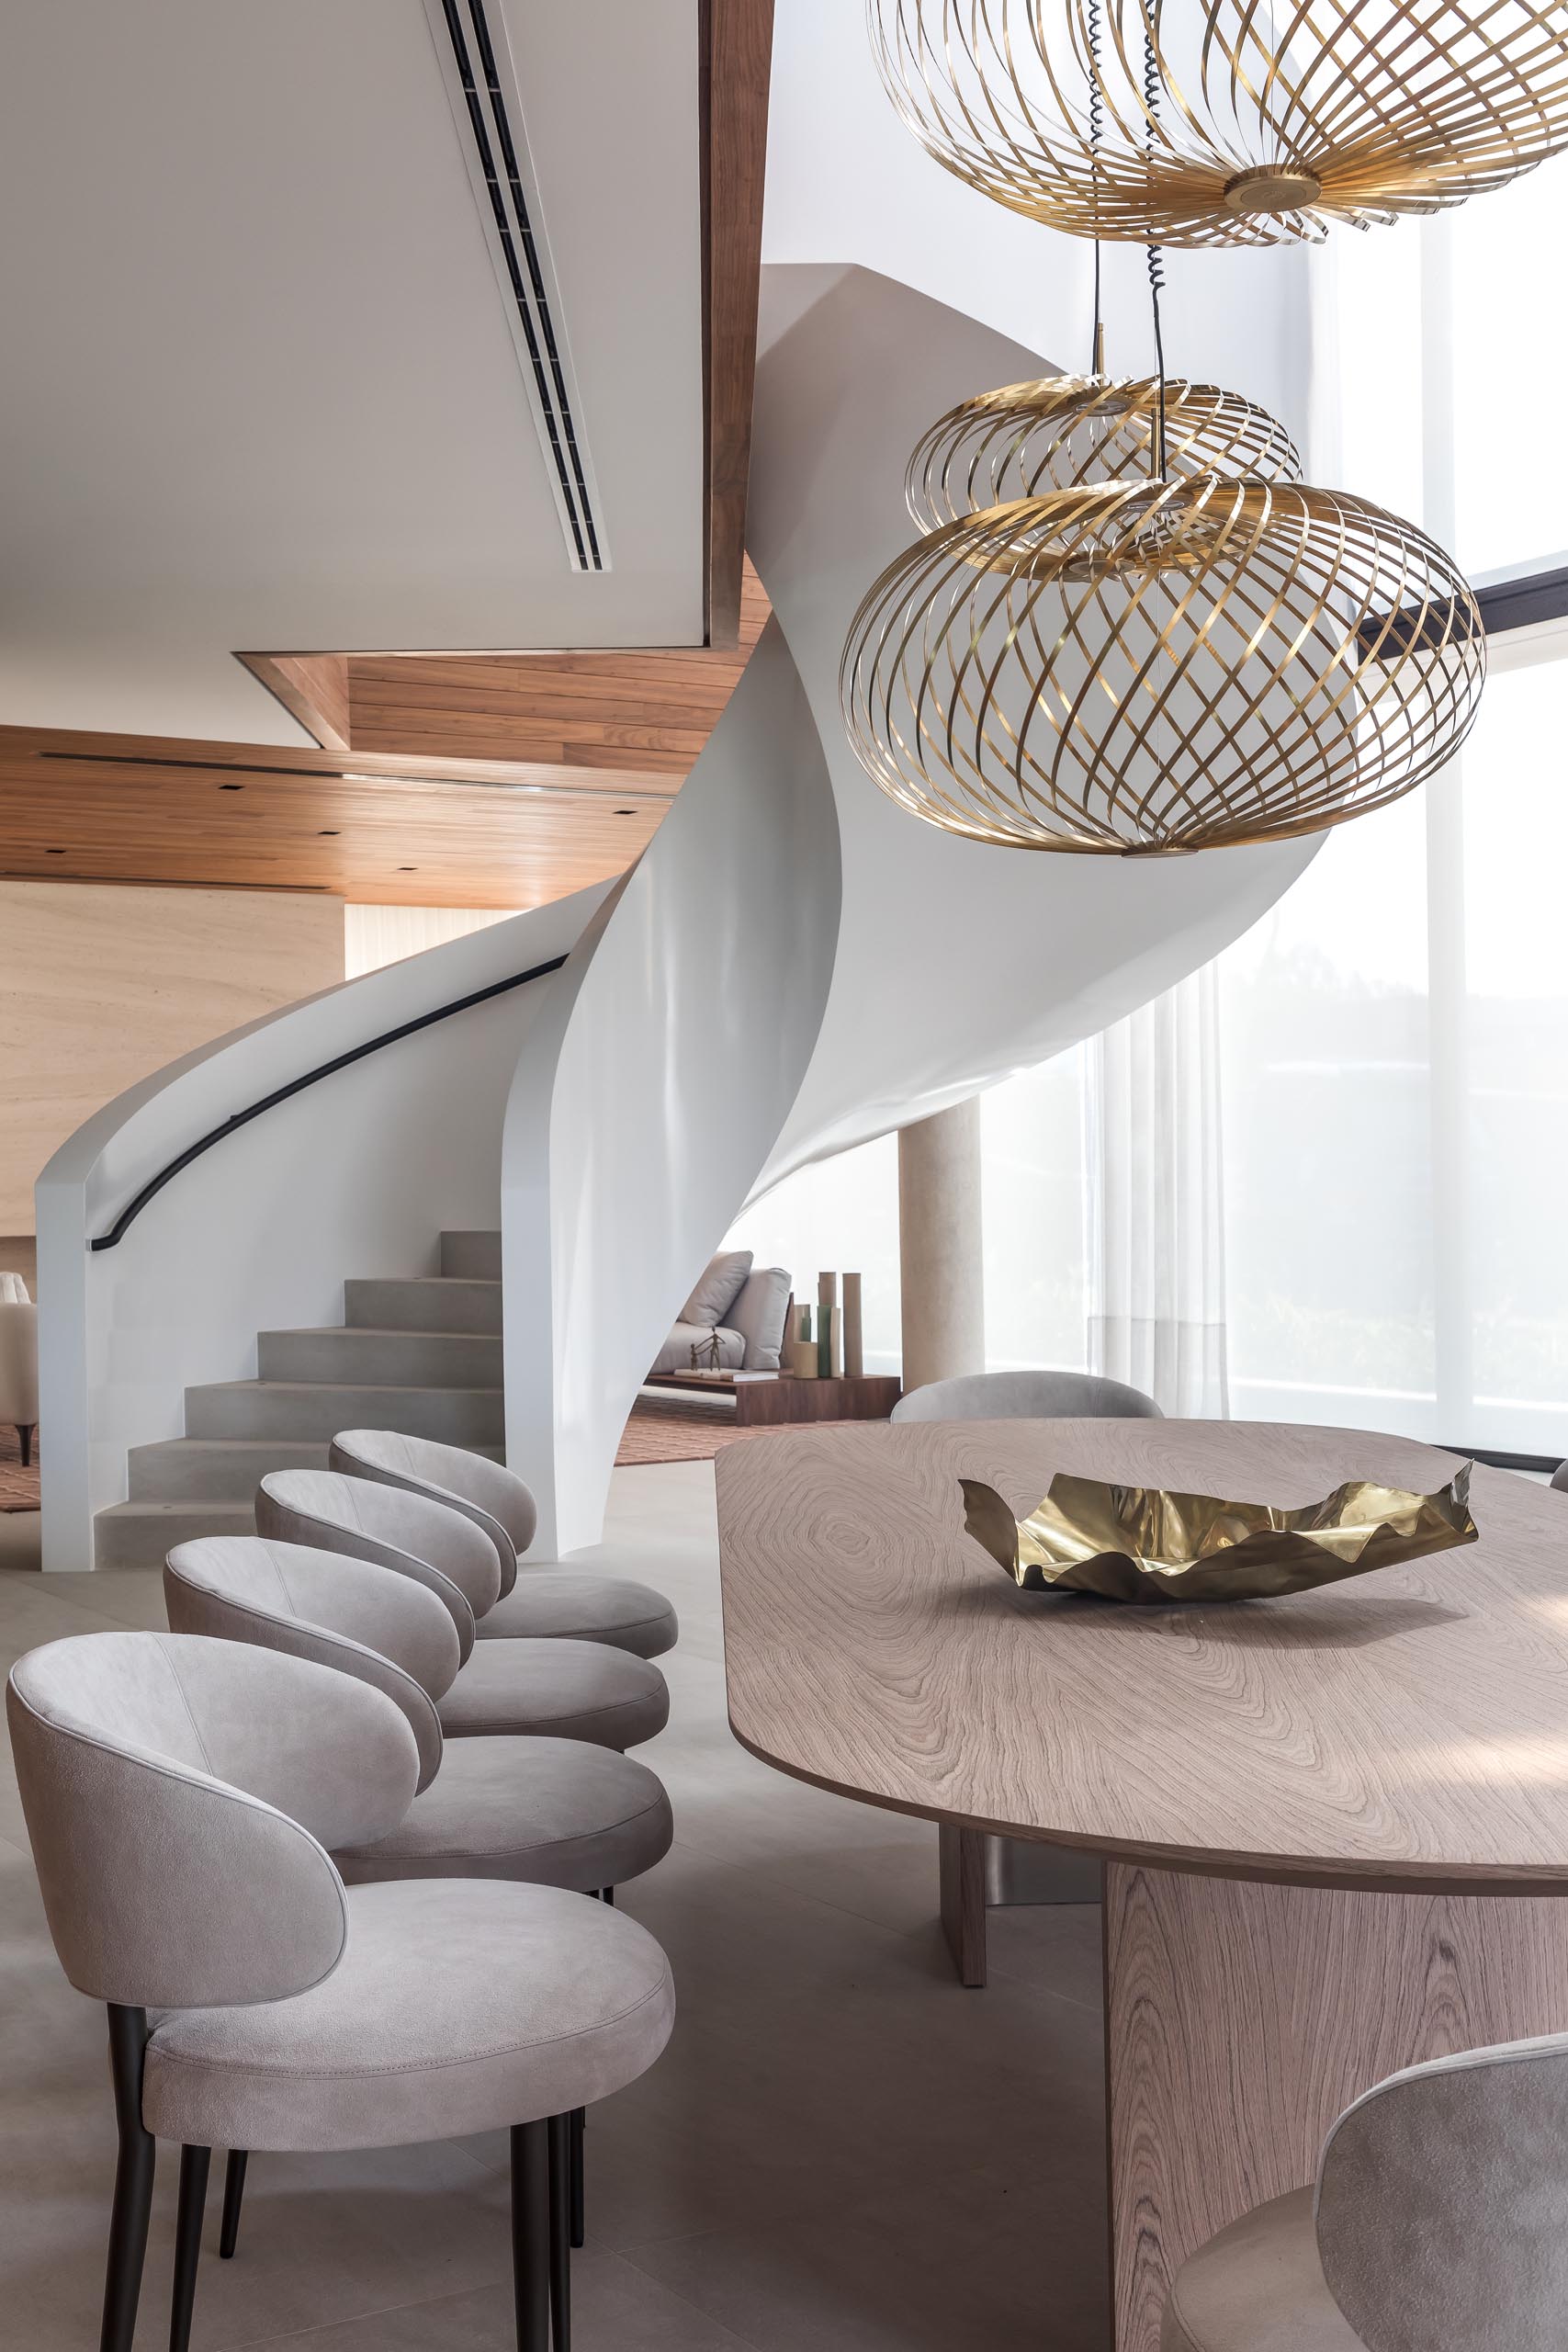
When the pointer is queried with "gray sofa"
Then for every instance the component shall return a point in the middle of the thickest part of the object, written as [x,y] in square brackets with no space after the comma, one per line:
[740,1304]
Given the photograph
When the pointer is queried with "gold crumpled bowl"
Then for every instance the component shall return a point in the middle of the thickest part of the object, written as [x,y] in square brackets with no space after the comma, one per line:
[1137,1543]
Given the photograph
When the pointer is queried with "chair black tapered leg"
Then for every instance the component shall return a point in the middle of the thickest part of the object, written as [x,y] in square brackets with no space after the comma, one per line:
[194,2162]
[531,2234]
[233,2195]
[560,2246]
[577,2120]
[132,2181]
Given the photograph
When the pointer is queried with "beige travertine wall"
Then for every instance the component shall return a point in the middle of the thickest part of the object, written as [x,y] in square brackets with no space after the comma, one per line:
[100,983]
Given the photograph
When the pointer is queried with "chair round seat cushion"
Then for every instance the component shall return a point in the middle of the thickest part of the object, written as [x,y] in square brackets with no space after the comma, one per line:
[552,1812]
[458,2006]
[546,1603]
[1257,2287]
[558,1689]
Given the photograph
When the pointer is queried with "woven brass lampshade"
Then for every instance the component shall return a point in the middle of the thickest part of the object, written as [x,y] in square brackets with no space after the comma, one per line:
[1220,123]
[1064,431]
[1143,670]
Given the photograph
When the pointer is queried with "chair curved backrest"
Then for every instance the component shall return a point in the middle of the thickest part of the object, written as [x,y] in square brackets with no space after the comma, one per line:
[1027,1396]
[494,1497]
[369,1522]
[179,1795]
[367,1621]
[1560,1476]
[1442,2202]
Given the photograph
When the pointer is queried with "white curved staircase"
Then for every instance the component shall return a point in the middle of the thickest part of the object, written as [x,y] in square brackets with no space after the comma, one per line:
[794,965]
[415,1352]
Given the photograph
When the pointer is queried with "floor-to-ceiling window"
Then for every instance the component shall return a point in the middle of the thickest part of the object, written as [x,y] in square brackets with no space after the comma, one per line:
[1393,1035]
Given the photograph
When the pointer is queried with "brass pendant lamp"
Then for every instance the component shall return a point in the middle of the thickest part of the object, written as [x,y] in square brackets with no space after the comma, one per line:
[1218,123]
[1065,432]
[1160,667]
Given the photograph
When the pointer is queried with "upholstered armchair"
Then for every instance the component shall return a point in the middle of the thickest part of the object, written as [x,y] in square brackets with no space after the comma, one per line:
[183,1797]
[18,1365]
[1439,2216]
[1027,1395]
[566,1689]
[541,1603]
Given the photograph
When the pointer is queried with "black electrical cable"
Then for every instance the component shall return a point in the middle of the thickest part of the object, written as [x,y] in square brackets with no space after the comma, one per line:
[1155,257]
[1096,125]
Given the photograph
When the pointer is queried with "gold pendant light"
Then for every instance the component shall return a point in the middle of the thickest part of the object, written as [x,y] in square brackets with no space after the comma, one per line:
[1217,123]
[1166,666]
[1066,431]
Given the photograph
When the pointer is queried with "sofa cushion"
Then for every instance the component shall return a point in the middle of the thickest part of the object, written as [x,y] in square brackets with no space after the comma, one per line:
[714,1293]
[758,1314]
[675,1355]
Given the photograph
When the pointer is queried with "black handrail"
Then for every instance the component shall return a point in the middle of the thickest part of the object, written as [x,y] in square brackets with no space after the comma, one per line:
[298,1085]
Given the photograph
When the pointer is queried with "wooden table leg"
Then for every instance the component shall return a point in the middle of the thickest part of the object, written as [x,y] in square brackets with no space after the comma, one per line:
[961,1862]
[1241,2018]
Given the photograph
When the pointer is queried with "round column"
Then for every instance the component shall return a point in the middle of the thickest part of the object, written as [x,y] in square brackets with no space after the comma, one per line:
[941,1261]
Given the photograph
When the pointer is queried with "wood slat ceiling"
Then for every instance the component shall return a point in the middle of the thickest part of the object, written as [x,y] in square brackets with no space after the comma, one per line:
[452,779]
[464,786]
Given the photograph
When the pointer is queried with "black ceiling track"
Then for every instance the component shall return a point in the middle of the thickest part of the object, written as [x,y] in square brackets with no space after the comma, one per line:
[474,54]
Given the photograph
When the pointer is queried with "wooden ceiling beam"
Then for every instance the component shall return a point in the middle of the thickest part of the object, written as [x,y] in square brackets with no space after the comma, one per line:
[312,688]
[736,61]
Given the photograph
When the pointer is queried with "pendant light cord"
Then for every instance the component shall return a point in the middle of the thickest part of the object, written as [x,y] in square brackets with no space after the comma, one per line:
[1096,125]
[1155,255]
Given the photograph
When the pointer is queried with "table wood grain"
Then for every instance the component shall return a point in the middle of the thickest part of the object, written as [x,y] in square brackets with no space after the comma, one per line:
[1405,1730]
[1336,1826]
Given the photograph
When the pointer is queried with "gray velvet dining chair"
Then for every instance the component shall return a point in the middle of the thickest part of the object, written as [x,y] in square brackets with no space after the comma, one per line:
[1027,1396]
[559,1688]
[182,1796]
[1438,2219]
[534,1601]
[548,1812]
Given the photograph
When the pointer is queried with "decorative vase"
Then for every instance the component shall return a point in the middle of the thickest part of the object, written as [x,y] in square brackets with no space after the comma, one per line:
[800,1350]
[854,1351]
[827,1319]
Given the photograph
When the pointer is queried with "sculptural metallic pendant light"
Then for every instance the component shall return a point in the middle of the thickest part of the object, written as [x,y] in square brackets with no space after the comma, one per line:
[1129,628]
[1211,122]
[1161,666]
[1065,432]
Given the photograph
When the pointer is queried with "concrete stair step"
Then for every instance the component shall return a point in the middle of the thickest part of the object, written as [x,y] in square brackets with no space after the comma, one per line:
[471,1257]
[386,1359]
[210,1469]
[423,1302]
[141,1534]
[302,1408]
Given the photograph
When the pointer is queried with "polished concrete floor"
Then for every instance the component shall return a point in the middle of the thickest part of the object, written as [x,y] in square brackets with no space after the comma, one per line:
[840,2151]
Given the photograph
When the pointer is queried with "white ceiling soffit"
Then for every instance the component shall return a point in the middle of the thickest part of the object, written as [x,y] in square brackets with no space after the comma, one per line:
[262,388]
[476,64]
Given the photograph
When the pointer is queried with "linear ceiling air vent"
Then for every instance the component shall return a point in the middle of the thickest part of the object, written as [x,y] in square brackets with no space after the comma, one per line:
[481,85]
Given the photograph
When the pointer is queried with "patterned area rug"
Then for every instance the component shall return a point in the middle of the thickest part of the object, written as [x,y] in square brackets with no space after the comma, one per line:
[18,1487]
[685,1434]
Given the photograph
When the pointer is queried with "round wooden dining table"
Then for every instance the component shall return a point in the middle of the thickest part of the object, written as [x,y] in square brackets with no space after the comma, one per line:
[1334,1827]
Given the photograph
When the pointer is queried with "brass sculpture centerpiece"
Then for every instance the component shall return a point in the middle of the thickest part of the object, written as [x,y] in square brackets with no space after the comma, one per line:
[1140,1544]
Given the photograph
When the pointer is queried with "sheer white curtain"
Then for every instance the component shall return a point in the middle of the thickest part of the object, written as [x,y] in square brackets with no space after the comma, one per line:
[1155,1253]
